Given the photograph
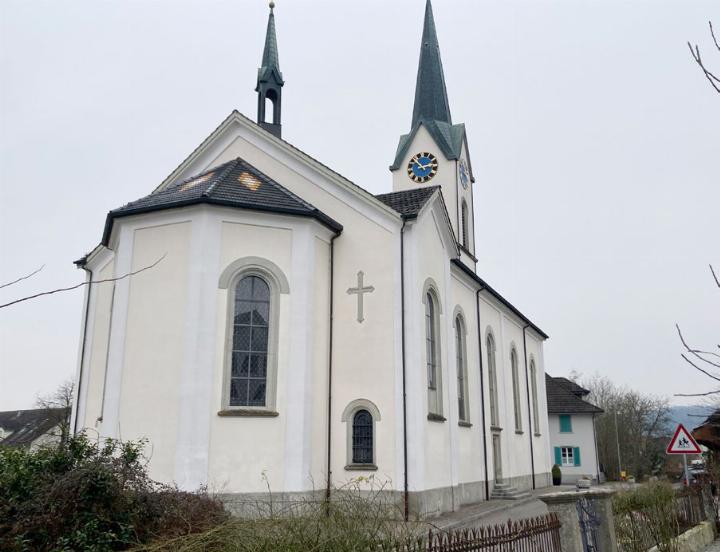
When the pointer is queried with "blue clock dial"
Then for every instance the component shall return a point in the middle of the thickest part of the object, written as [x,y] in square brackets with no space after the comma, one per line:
[464,174]
[422,167]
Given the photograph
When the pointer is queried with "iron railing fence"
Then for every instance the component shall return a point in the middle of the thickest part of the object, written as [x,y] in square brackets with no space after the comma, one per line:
[539,534]
[641,530]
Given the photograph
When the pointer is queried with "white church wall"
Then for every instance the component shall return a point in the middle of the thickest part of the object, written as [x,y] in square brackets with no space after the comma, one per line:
[93,376]
[260,442]
[470,454]
[432,263]
[153,347]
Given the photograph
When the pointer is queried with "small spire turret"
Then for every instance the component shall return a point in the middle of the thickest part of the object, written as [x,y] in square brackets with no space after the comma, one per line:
[270,80]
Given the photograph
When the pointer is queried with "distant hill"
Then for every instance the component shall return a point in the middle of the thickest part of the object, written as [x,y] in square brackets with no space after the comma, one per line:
[689,415]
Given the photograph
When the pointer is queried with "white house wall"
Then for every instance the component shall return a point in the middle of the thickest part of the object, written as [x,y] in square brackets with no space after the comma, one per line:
[581,436]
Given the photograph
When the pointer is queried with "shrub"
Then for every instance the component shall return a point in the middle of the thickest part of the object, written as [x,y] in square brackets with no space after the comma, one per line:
[646,517]
[92,497]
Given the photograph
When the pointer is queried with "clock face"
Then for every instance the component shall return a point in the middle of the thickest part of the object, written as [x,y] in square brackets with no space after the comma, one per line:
[464,174]
[422,167]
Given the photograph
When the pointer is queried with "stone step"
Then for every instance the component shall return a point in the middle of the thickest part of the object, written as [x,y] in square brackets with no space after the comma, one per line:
[504,491]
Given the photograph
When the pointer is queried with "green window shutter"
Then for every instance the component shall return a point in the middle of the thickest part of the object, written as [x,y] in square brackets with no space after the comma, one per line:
[576,455]
[558,456]
[565,423]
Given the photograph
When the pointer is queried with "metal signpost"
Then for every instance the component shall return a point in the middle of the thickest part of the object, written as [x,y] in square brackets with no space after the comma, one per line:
[683,443]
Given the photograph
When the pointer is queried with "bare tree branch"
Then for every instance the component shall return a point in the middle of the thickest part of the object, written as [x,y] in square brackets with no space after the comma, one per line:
[698,368]
[716,279]
[712,33]
[697,352]
[708,75]
[717,392]
[23,277]
[129,274]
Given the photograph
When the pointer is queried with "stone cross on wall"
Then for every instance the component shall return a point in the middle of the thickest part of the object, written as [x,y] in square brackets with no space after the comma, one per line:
[359,291]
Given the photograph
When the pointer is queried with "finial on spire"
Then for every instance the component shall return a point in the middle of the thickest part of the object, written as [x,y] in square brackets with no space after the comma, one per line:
[272,5]
[431,101]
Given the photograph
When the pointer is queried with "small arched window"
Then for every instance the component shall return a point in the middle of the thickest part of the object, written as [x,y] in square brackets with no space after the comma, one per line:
[536,411]
[251,324]
[492,381]
[362,438]
[461,356]
[464,220]
[516,389]
[430,341]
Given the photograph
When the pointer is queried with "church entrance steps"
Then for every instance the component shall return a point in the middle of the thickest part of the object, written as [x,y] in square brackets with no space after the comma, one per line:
[506,491]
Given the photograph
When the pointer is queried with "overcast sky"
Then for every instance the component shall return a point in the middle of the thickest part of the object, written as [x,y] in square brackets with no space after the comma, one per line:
[594,138]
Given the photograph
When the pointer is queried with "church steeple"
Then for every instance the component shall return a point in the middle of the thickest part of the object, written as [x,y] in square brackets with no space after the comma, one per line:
[270,80]
[431,100]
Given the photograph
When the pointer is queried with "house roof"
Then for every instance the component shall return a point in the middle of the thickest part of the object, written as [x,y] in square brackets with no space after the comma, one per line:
[232,184]
[408,202]
[573,387]
[708,433]
[561,400]
[25,426]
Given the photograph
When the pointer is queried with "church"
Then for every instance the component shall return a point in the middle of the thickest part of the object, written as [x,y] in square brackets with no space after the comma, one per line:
[265,322]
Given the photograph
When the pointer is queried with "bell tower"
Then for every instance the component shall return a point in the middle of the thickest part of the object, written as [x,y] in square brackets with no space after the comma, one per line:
[270,81]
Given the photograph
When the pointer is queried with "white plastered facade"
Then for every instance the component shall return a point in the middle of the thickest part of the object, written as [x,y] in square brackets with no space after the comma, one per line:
[153,360]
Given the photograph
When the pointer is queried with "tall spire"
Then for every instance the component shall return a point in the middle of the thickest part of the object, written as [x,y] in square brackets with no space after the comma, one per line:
[270,80]
[431,100]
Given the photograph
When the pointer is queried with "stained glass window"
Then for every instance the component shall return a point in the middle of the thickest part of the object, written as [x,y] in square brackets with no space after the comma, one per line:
[362,438]
[248,379]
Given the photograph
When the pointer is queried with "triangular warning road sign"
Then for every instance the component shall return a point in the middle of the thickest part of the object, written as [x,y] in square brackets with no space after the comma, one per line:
[682,442]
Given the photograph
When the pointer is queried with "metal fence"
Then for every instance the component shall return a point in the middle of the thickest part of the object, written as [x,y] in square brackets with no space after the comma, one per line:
[540,534]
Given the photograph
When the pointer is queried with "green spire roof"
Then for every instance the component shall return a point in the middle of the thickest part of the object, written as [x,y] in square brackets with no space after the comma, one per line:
[431,109]
[270,60]
[431,100]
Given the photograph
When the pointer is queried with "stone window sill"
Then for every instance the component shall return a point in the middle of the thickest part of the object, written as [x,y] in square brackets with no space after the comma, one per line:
[538,434]
[519,432]
[495,428]
[436,417]
[361,467]
[463,423]
[247,413]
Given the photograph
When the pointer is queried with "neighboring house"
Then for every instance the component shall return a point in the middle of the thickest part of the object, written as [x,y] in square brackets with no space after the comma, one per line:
[299,330]
[32,428]
[708,433]
[573,444]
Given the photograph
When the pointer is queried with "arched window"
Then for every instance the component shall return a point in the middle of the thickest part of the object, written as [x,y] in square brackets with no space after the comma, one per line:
[251,324]
[533,383]
[432,356]
[361,417]
[430,341]
[492,381]
[464,220]
[362,438]
[516,389]
[461,356]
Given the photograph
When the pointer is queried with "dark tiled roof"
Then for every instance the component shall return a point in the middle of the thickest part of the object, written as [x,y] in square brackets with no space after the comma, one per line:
[233,184]
[408,202]
[573,387]
[24,426]
[561,400]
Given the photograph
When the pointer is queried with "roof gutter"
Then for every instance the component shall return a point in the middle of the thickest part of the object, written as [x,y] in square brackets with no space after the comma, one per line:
[82,263]
[531,430]
[482,392]
[331,316]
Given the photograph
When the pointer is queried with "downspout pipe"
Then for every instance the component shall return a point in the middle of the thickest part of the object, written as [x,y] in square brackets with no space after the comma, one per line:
[331,316]
[482,393]
[530,412]
[406,493]
[82,345]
